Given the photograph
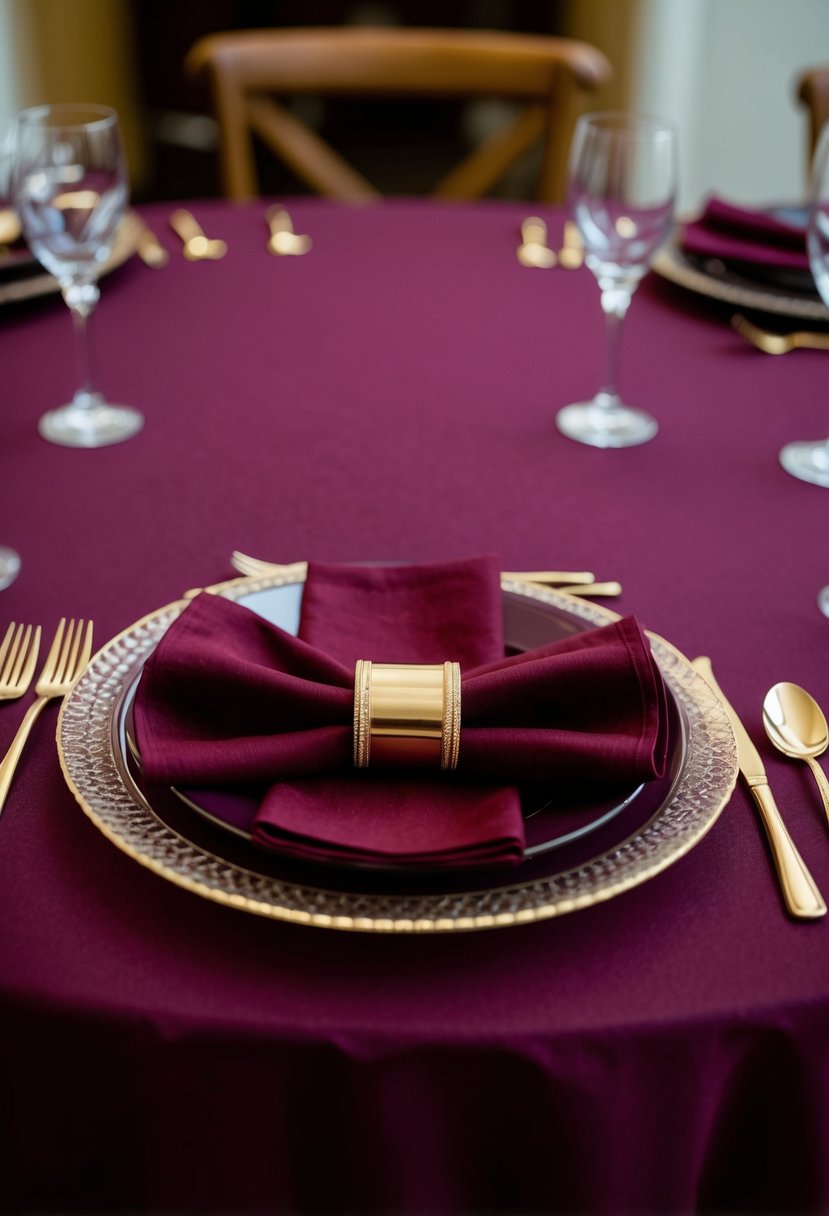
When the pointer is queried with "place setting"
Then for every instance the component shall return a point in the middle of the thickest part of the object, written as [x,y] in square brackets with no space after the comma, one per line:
[382,793]
[756,259]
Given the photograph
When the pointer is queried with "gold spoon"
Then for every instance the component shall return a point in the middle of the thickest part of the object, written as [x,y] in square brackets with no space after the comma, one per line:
[571,254]
[796,726]
[283,240]
[534,250]
[197,246]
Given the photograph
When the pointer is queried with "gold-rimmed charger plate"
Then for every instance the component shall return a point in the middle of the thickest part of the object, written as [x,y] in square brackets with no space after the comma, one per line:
[719,282]
[93,768]
[28,286]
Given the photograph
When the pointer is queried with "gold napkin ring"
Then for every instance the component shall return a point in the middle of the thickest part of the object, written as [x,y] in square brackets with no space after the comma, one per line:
[407,714]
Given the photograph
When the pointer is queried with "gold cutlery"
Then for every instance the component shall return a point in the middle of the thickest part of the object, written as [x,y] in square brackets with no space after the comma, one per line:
[796,726]
[150,249]
[9,226]
[197,246]
[800,894]
[602,590]
[18,655]
[574,582]
[70,652]
[571,254]
[778,344]
[534,250]
[283,240]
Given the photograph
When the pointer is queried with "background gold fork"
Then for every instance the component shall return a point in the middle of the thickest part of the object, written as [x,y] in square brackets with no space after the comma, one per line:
[778,344]
[71,651]
[18,655]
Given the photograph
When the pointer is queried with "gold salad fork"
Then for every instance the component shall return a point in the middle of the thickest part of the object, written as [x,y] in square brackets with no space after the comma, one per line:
[574,582]
[18,655]
[70,652]
[778,344]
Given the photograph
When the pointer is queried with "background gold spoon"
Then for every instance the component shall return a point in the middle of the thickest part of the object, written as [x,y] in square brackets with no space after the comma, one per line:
[283,240]
[796,726]
[197,246]
[534,250]
[571,254]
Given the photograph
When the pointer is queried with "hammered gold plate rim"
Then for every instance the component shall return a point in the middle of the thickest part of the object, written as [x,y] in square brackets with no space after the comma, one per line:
[89,765]
[671,264]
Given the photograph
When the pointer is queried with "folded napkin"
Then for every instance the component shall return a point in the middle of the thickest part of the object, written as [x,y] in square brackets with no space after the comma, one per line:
[743,234]
[229,699]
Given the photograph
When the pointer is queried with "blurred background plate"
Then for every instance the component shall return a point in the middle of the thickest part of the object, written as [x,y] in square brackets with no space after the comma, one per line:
[22,277]
[711,277]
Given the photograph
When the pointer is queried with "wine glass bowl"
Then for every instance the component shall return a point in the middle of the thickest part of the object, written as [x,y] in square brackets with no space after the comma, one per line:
[70,189]
[621,193]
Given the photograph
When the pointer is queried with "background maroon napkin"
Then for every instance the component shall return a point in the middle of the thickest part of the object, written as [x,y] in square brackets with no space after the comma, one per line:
[228,698]
[744,234]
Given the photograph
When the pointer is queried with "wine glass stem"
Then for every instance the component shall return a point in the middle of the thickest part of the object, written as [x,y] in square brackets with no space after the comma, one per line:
[81,299]
[615,303]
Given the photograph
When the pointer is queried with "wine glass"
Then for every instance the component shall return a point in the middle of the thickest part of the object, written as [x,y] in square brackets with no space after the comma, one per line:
[809,460]
[70,190]
[9,559]
[622,186]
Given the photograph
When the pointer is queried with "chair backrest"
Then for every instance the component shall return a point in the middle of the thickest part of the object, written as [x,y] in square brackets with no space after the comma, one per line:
[245,69]
[813,93]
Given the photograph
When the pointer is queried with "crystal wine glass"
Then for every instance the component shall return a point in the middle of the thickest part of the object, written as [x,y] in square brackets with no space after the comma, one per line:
[809,460]
[622,186]
[9,559]
[70,189]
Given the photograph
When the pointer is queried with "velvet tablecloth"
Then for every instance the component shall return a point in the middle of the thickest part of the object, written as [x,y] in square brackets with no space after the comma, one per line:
[391,395]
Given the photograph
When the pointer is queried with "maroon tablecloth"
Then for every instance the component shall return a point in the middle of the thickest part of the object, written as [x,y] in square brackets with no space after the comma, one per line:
[391,395]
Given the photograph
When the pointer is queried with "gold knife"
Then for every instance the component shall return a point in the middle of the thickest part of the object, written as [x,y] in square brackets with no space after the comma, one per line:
[800,894]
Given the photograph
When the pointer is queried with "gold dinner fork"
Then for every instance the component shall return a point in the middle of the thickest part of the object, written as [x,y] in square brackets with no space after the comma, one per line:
[18,655]
[70,652]
[778,344]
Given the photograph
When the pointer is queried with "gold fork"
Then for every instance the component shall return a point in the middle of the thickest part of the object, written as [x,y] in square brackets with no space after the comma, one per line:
[778,344]
[18,655]
[574,582]
[71,651]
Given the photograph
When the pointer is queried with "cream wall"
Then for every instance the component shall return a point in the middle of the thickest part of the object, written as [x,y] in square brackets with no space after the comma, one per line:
[725,71]
[70,50]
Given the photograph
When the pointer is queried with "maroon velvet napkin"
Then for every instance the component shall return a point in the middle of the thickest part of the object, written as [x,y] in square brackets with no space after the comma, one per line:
[228,699]
[743,234]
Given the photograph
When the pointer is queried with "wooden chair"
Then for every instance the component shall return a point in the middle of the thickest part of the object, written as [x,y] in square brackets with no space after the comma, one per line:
[813,94]
[245,69]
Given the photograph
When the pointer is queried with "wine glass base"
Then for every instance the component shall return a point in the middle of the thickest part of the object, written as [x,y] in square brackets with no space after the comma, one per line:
[9,566]
[823,601]
[603,426]
[90,426]
[807,461]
